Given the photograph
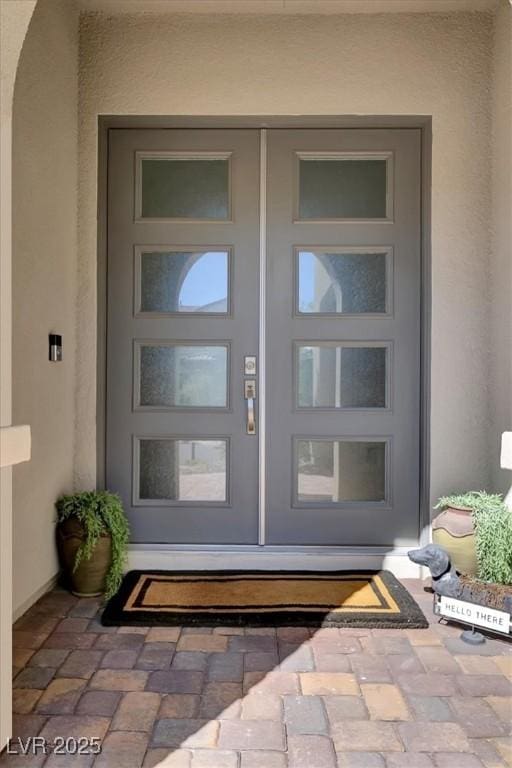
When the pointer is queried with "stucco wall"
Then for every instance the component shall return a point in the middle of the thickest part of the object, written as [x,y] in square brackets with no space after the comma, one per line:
[14,21]
[437,65]
[501,268]
[44,282]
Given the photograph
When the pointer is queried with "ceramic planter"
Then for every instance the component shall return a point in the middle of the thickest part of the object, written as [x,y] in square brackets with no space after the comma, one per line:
[89,578]
[454,530]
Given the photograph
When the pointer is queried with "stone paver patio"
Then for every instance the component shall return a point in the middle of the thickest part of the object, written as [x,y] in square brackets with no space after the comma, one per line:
[259,698]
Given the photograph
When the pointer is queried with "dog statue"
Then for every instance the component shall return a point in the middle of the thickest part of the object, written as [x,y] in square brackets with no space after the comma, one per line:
[445,579]
[446,583]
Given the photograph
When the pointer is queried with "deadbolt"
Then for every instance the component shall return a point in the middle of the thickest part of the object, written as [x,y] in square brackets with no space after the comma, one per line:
[250,365]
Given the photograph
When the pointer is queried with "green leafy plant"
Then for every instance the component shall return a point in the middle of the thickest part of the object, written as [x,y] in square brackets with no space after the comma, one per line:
[99,512]
[493,532]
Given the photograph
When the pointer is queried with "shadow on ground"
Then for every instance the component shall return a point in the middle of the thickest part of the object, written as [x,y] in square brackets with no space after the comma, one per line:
[265,697]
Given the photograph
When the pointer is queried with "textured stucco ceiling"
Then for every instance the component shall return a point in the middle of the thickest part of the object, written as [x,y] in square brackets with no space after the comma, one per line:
[286,6]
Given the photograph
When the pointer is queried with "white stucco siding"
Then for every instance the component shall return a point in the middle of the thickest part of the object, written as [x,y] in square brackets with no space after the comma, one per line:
[501,270]
[395,64]
[44,284]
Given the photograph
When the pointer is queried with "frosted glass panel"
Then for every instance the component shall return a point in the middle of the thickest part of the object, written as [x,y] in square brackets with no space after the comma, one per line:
[177,281]
[178,375]
[342,189]
[185,189]
[340,470]
[341,377]
[341,283]
[183,470]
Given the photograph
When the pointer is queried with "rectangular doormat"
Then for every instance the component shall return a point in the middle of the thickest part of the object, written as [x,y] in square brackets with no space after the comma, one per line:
[252,598]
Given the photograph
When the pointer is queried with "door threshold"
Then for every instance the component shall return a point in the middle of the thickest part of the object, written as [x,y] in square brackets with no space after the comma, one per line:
[248,557]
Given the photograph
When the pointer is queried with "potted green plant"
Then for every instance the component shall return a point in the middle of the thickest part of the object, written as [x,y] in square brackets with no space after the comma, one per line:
[92,539]
[475,528]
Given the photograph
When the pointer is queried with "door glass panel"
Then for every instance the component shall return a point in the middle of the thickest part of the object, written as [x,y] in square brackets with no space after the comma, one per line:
[341,283]
[184,188]
[182,470]
[336,376]
[340,471]
[183,376]
[184,281]
[342,188]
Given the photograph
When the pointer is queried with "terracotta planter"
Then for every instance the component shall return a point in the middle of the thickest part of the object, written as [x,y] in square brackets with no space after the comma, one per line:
[89,578]
[454,530]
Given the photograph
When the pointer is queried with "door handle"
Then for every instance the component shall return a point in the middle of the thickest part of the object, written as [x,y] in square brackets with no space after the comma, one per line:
[250,397]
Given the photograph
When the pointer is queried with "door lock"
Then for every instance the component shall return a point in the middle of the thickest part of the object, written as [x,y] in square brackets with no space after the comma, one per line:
[250,389]
[250,365]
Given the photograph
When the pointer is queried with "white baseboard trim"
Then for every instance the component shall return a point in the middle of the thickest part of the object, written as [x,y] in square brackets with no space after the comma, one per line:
[158,557]
[34,597]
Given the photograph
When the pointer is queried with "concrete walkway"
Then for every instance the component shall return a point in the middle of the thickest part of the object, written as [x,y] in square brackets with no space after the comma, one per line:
[258,698]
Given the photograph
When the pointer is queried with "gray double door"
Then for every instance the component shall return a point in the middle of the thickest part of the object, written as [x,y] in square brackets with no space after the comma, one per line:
[263,342]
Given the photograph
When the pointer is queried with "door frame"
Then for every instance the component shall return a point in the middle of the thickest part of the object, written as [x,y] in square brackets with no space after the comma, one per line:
[258,556]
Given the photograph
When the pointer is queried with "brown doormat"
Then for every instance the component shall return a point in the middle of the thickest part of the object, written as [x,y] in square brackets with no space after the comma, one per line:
[249,598]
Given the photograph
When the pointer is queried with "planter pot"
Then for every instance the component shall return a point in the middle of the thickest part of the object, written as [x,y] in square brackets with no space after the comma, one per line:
[489,595]
[478,604]
[89,578]
[454,530]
